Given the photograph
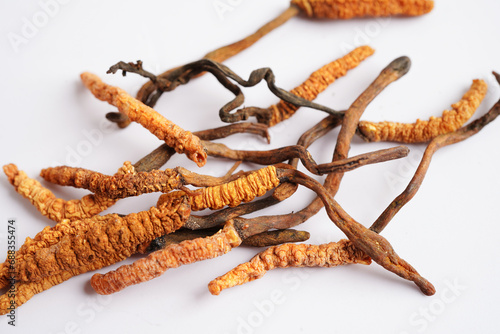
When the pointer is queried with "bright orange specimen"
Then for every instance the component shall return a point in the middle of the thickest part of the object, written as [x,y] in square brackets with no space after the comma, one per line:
[173,256]
[173,135]
[424,131]
[347,9]
[55,208]
[290,255]
[317,82]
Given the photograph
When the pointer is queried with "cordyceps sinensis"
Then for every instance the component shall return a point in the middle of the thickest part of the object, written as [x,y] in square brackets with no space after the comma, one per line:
[347,9]
[317,82]
[126,185]
[108,239]
[290,255]
[174,136]
[369,242]
[55,208]
[151,91]
[424,131]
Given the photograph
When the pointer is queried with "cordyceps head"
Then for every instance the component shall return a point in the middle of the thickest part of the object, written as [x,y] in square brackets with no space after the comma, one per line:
[346,9]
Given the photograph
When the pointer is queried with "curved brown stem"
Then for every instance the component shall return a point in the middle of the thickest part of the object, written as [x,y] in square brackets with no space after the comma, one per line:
[373,244]
[437,143]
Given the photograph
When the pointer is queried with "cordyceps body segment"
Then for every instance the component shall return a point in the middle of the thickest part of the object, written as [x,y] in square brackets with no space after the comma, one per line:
[26,290]
[241,190]
[173,135]
[424,131]
[55,208]
[116,186]
[317,82]
[244,189]
[107,239]
[173,256]
[347,9]
[290,255]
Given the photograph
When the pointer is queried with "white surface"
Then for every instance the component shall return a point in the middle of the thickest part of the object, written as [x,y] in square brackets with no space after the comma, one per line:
[449,231]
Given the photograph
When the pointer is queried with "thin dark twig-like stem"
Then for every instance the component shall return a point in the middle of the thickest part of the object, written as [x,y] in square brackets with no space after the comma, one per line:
[159,157]
[290,152]
[221,54]
[437,143]
[392,72]
[373,244]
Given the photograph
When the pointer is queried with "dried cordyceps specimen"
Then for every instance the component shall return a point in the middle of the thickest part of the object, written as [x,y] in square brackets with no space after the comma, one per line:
[116,186]
[290,255]
[26,290]
[108,239]
[120,186]
[244,189]
[173,256]
[317,82]
[55,208]
[423,131]
[149,93]
[182,141]
[437,143]
[347,9]
[276,237]
[224,75]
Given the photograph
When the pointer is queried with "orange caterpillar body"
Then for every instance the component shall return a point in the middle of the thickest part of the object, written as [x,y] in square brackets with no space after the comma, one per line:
[290,255]
[347,9]
[173,135]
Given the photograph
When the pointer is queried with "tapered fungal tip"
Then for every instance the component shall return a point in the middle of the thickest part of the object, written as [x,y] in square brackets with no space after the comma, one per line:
[116,117]
[426,287]
[497,76]
[119,118]
[401,65]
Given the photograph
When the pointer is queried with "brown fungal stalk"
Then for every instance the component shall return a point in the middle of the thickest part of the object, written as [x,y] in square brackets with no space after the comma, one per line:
[174,136]
[435,144]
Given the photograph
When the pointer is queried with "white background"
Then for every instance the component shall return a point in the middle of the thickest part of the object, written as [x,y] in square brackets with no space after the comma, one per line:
[449,231]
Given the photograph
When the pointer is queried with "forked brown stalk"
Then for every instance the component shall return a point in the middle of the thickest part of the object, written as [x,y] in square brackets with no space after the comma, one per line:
[437,143]
[373,244]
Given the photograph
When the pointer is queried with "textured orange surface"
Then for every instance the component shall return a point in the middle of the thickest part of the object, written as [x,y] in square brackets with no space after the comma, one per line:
[347,9]
[173,135]
[317,82]
[423,131]
[106,239]
[290,255]
[55,208]
[244,189]
[116,186]
[173,256]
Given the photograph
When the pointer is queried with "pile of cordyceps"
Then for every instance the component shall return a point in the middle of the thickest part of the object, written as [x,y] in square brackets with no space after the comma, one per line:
[82,240]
